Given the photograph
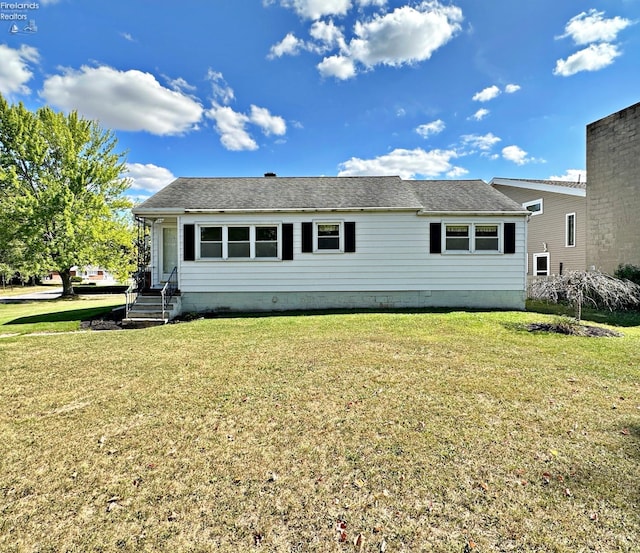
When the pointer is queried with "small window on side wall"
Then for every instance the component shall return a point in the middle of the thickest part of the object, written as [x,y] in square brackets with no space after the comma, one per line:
[570,231]
[535,207]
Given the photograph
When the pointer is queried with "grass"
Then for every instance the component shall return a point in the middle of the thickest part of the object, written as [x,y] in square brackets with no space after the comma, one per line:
[59,315]
[362,432]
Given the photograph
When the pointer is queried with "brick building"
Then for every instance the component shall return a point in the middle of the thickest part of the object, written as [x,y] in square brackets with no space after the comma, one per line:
[613,190]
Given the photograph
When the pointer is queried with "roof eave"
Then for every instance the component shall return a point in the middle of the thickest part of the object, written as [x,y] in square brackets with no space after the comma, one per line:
[490,213]
[301,210]
[540,187]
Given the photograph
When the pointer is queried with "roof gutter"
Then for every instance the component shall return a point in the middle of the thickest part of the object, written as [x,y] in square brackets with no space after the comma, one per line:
[426,213]
[301,210]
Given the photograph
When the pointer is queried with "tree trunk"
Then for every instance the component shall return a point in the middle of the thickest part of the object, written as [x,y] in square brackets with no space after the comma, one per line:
[67,285]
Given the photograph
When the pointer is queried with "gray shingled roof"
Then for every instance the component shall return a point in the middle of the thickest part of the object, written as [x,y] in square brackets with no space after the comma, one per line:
[298,193]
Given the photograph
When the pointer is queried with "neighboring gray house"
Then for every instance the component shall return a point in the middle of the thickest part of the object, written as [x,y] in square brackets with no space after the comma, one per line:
[281,243]
[556,235]
[613,198]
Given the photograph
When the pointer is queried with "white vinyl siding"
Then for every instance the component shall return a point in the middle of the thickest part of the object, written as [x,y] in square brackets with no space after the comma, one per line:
[392,254]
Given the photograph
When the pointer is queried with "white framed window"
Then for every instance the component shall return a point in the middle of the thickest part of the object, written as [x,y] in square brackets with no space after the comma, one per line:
[541,264]
[239,242]
[535,207]
[570,230]
[472,237]
[328,236]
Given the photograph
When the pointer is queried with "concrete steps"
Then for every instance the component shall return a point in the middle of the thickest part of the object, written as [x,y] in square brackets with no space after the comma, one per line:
[147,310]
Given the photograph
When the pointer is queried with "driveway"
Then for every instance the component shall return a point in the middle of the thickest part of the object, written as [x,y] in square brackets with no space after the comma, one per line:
[52,294]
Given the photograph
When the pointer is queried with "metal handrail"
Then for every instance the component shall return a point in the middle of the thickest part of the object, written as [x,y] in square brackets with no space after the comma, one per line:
[130,296]
[168,290]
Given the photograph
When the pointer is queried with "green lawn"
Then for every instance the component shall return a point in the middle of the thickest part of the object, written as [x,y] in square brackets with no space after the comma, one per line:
[59,315]
[353,432]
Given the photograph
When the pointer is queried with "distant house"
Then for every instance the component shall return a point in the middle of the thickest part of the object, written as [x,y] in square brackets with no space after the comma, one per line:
[556,236]
[613,198]
[281,243]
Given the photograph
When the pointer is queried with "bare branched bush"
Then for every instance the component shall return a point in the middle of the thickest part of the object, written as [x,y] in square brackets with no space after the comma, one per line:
[580,288]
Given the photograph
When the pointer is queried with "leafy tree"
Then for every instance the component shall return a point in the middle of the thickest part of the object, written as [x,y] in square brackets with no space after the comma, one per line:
[586,287]
[61,193]
[628,272]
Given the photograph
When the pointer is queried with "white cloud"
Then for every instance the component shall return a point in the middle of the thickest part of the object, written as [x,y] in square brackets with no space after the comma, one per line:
[511,88]
[406,35]
[125,100]
[270,124]
[180,84]
[222,92]
[339,67]
[591,26]
[592,58]
[516,154]
[480,114]
[316,9]
[429,129]
[486,94]
[481,142]
[405,163]
[232,126]
[148,178]
[290,45]
[328,35]
[14,69]
[572,175]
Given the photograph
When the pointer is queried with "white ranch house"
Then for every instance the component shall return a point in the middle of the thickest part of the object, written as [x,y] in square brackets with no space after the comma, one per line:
[286,243]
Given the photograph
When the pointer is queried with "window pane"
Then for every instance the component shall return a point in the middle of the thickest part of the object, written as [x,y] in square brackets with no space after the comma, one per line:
[239,249]
[238,234]
[329,230]
[266,249]
[211,234]
[210,249]
[266,234]
[458,244]
[571,230]
[487,230]
[328,243]
[457,230]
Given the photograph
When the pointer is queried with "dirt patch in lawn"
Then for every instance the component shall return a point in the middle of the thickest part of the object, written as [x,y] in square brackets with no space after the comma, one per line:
[574,330]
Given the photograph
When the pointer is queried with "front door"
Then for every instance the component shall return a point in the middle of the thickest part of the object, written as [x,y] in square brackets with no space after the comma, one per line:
[168,252]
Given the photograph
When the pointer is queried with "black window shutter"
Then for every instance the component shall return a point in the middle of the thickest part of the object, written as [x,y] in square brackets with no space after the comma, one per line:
[287,241]
[307,237]
[435,238]
[509,238]
[189,242]
[350,236]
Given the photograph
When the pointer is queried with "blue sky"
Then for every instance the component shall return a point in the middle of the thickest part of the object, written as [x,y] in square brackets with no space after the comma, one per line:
[420,89]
